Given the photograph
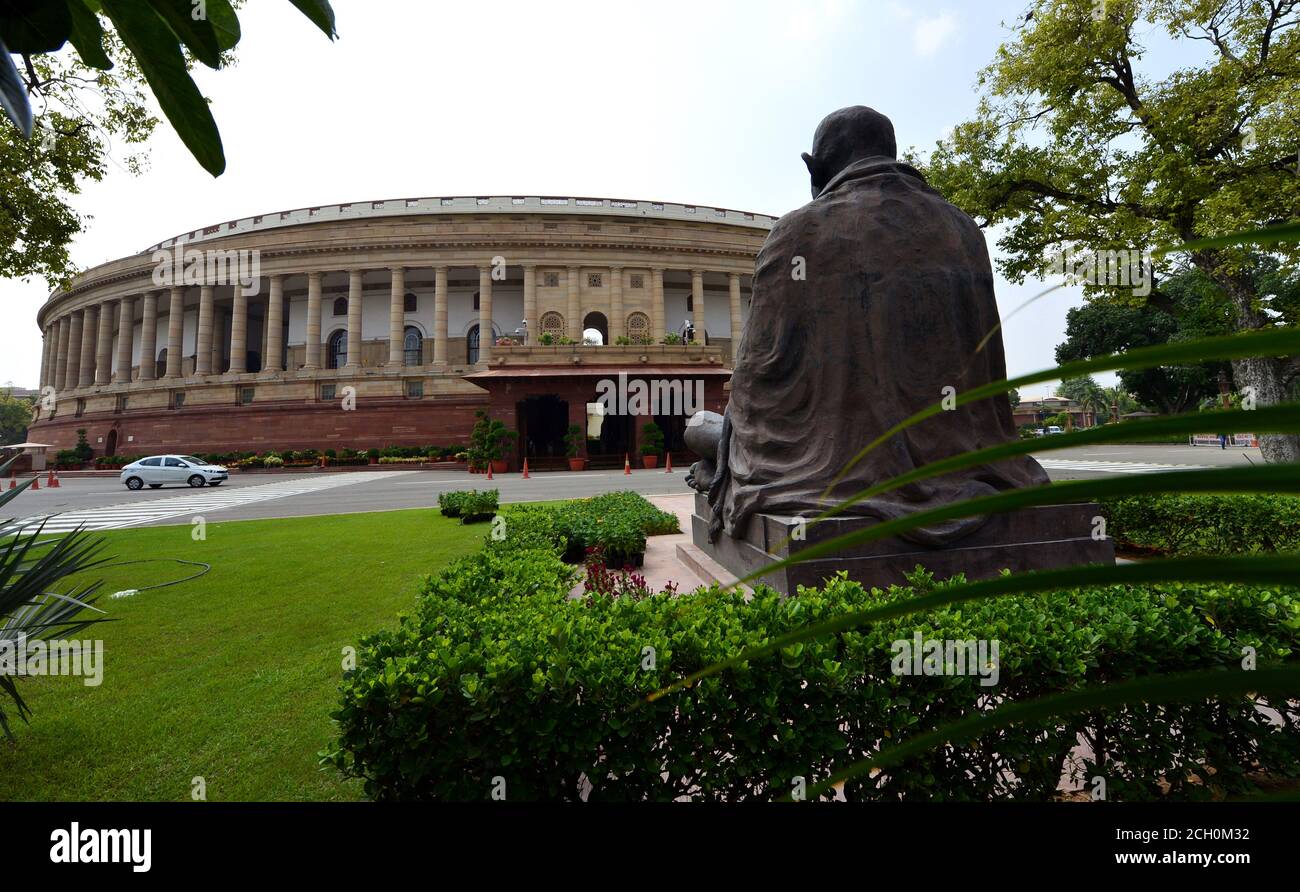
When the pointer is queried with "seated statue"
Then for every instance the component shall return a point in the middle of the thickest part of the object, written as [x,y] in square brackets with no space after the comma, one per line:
[867,302]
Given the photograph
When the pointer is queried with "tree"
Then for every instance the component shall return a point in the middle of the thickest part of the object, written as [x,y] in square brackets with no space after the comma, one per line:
[87,101]
[1013,396]
[1076,145]
[1197,310]
[15,416]
[1086,392]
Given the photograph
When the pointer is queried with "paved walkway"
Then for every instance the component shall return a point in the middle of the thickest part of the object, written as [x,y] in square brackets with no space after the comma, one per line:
[661,563]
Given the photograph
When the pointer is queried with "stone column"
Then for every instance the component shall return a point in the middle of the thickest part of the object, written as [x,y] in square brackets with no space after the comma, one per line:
[618,322]
[733,285]
[72,372]
[175,332]
[697,302]
[218,340]
[396,317]
[354,319]
[203,349]
[86,372]
[657,320]
[149,338]
[45,358]
[61,354]
[530,304]
[125,329]
[485,336]
[275,326]
[440,314]
[104,346]
[575,303]
[239,331]
[313,321]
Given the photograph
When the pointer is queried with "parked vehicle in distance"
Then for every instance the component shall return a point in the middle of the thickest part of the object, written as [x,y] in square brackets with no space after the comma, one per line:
[1054,430]
[1040,432]
[160,470]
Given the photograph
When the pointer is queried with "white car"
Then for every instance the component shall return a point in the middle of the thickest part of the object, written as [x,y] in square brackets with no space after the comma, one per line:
[1054,429]
[160,470]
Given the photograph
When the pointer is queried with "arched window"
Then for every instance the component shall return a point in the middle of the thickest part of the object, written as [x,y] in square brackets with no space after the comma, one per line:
[413,346]
[638,327]
[472,341]
[471,345]
[409,302]
[337,352]
[551,323]
[340,306]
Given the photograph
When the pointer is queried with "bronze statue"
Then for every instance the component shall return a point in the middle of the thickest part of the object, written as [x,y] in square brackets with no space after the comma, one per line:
[867,302]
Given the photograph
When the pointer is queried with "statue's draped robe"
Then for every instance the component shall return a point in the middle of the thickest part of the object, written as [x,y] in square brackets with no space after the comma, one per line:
[898,295]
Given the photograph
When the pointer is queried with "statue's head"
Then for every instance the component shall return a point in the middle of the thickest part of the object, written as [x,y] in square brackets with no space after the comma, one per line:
[846,136]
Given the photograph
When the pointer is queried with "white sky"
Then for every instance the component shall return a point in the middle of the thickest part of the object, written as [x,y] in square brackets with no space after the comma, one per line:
[697,101]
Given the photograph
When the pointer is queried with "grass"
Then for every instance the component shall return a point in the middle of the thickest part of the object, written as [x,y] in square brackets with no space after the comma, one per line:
[230,677]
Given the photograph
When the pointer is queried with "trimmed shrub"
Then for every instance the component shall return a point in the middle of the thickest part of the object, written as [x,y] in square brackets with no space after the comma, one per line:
[1205,524]
[500,674]
[470,506]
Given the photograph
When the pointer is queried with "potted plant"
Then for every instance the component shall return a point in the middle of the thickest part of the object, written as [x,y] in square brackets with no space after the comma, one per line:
[672,338]
[373,455]
[573,441]
[652,443]
[498,439]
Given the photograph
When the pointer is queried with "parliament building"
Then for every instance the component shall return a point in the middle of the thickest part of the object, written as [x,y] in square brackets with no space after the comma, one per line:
[392,323]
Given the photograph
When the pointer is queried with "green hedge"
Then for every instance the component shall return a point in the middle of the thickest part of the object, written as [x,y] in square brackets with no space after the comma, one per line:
[500,675]
[471,506]
[1205,524]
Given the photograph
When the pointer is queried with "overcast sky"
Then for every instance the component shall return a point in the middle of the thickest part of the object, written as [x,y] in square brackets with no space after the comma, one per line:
[706,101]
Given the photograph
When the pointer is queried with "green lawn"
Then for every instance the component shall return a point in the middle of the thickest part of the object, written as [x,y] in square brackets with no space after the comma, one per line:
[232,676]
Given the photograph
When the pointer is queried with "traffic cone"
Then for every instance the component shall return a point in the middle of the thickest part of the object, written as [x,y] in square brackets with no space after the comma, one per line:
[54,480]
[13,480]
[627,465]
[525,477]
[36,482]
[669,468]
[489,473]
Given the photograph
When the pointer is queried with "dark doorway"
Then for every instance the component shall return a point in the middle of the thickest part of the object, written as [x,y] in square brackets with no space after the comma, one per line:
[598,322]
[543,421]
[617,438]
[110,443]
[674,428]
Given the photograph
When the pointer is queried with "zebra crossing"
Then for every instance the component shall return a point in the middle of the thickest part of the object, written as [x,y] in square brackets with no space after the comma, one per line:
[1114,467]
[197,502]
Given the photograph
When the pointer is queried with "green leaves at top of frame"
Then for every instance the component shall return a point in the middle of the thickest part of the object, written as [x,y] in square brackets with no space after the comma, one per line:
[156,32]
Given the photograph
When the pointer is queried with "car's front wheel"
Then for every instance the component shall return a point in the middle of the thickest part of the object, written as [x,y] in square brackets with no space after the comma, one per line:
[134,483]
[196,481]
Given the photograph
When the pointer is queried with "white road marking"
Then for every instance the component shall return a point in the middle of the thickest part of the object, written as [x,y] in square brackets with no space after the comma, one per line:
[197,502]
[1114,467]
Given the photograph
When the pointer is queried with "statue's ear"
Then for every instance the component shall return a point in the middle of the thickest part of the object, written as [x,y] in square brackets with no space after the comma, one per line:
[814,171]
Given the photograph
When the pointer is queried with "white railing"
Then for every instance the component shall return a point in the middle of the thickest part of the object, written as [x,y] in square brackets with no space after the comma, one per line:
[614,207]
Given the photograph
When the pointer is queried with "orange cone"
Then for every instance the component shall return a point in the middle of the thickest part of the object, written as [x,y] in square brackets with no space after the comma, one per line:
[489,473]
[525,477]
[54,480]
[36,482]
[669,468]
[627,465]
[13,481]
[49,478]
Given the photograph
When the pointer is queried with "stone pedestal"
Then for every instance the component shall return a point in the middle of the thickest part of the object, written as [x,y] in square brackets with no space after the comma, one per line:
[1039,538]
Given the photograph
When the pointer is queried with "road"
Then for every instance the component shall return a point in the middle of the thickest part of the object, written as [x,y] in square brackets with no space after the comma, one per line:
[104,503]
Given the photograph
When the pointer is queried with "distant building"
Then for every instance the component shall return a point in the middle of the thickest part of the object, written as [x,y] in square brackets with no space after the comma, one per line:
[1036,412]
